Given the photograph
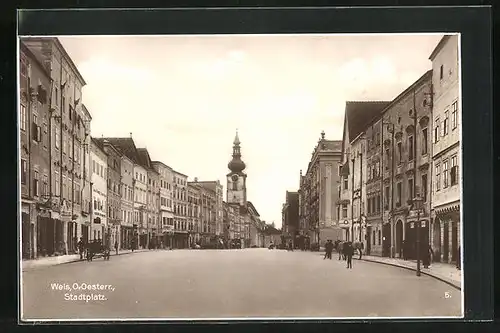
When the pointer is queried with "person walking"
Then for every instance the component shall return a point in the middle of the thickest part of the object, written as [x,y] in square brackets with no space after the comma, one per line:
[427,254]
[349,252]
[328,250]
[459,262]
[81,247]
[116,247]
[405,250]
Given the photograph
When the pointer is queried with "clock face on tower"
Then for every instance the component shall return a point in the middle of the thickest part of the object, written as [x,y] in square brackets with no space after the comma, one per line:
[234,178]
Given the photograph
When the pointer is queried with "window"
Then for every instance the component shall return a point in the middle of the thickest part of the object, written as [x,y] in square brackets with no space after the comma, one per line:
[56,137]
[410,189]
[445,174]
[424,187]
[235,186]
[436,130]
[454,171]
[386,198]
[369,205]
[438,177]
[410,148]
[446,121]
[387,158]
[377,139]
[23,118]
[346,183]
[340,170]
[36,190]
[454,109]
[378,203]
[45,188]
[400,152]
[379,237]
[424,141]
[398,192]
[441,72]
[24,172]
[373,238]
[57,183]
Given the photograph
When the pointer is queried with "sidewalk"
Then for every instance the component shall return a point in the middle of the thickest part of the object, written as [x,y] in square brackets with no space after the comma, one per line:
[445,272]
[64,259]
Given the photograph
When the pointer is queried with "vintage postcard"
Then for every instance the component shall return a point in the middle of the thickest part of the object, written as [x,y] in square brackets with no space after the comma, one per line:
[230,177]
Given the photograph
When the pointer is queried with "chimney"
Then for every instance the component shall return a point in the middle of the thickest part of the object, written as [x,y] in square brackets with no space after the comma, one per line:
[130,134]
[195,179]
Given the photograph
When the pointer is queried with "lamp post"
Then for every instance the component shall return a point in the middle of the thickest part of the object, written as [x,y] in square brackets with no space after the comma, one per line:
[418,206]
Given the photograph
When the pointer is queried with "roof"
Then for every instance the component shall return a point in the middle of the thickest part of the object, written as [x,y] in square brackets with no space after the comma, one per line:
[65,54]
[102,142]
[439,46]
[332,145]
[179,173]
[25,49]
[253,207]
[209,184]
[270,230]
[144,159]
[98,144]
[127,147]
[358,114]
[86,111]
[161,163]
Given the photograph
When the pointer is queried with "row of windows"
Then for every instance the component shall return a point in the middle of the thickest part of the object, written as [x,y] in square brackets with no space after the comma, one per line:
[441,128]
[99,169]
[449,173]
[180,181]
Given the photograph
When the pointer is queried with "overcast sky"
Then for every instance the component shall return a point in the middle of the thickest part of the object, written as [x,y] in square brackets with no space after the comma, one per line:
[183,97]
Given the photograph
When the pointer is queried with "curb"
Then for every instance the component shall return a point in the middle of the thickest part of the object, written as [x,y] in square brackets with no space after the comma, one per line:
[414,270]
[77,260]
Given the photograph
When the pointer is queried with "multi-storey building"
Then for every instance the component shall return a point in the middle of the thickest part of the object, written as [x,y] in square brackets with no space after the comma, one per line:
[152,199]
[114,192]
[86,177]
[181,235]
[232,222]
[68,134]
[353,186]
[290,213]
[127,202]
[318,219]
[256,227]
[216,187]
[139,187]
[406,167]
[166,214]
[208,214]
[99,162]
[37,225]
[446,157]
[194,212]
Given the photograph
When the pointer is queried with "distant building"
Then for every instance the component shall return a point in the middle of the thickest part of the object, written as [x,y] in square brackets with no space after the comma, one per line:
[319,196]
[290,212]
[166,217]
[180,192]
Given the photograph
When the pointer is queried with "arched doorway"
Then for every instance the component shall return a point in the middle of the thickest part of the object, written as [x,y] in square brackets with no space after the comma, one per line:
[399,238]
[386,240]
[437,239]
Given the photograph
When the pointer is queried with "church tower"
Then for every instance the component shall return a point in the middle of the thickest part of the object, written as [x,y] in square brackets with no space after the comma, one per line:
[236,179]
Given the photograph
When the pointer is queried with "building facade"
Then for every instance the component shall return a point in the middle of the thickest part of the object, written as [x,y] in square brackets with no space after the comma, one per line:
[356,164]
[290,213]
[127,202]
[35,166]
[236,179]
[446,156]
[114,192]
[166,214]
[67,137]
[99,162]
[181,234]
[318,195]
[86,177]
[194,212]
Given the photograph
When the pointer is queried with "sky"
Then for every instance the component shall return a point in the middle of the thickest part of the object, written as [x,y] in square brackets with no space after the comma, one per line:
[183,97]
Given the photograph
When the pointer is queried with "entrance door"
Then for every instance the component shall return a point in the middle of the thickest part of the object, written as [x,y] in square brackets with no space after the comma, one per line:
[446,242]
[32,241]
[386,240]
[454,241]
[399,238]
[437,239]
[368,240]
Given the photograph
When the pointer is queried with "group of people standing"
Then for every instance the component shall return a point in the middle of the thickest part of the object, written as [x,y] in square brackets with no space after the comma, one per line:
[344,249]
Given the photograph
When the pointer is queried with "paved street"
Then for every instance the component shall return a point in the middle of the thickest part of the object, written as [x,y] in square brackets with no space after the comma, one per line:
[233,283]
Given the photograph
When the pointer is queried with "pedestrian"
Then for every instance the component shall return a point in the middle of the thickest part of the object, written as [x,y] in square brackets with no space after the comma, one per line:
[328,249]
[81,247]
[348,250]
[459,262]
[427,254]
[116,246]
[290,245]
[405,250]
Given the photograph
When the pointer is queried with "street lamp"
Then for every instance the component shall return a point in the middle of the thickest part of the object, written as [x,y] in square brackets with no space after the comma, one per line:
[418,206]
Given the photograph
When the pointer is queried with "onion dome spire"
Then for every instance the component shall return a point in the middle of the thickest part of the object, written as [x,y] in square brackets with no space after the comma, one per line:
[236,165]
